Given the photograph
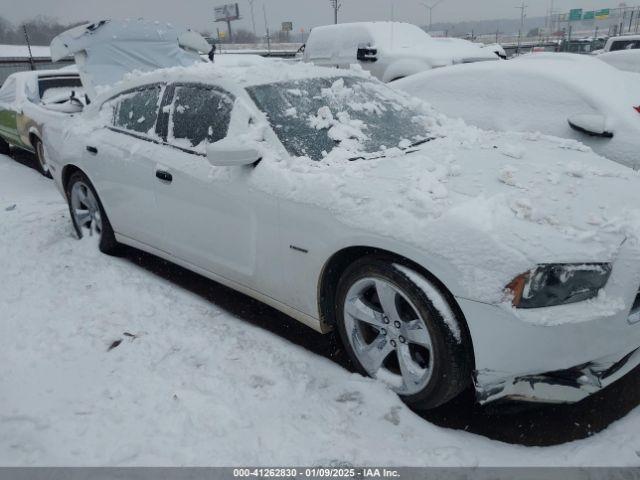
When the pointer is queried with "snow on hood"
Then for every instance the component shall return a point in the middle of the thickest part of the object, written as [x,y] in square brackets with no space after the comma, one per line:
[105,51]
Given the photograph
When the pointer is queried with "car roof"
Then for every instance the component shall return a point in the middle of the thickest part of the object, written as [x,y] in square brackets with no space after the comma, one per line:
[232,77]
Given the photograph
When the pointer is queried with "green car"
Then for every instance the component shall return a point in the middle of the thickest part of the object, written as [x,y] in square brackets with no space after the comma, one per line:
[28,100]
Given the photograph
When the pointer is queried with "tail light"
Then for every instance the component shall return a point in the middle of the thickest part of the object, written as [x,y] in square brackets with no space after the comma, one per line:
[637,109]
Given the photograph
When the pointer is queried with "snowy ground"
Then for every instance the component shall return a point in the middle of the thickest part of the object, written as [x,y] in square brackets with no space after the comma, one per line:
[192,385]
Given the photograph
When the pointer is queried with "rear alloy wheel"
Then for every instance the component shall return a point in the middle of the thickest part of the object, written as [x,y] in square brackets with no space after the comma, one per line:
[393,333]
[43,168]
[87,214]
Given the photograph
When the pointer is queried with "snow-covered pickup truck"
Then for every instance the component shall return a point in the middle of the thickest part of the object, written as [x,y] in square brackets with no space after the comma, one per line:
[30,99]
[389,50]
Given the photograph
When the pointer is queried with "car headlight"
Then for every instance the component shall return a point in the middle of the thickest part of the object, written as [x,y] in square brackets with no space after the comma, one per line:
[549,285]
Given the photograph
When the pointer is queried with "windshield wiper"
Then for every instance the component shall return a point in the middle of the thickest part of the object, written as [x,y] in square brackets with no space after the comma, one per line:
[420,142]
[375,156]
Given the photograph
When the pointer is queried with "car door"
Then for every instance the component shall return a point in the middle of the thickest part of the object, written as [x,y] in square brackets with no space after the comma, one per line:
[8,98]
[212,218]
[120,158]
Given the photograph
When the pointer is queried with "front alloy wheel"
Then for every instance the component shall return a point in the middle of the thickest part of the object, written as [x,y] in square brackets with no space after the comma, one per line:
[392,332]
[388,335]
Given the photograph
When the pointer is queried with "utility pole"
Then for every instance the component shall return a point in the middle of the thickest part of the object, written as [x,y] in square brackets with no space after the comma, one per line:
[336,5]
[253,18]
[266,26]
[26,37]
[430,8]
[523,14]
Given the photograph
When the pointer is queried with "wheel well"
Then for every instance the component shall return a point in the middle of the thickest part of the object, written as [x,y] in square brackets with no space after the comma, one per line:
[340,261]
[67,171]
[32,139]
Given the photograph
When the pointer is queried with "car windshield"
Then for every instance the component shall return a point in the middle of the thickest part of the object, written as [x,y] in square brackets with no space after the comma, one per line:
[349,116]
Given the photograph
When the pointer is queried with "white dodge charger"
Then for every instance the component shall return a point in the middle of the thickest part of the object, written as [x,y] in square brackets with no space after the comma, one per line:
[445,256]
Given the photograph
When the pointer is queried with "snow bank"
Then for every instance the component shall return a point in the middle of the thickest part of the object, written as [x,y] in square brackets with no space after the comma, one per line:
[190,384]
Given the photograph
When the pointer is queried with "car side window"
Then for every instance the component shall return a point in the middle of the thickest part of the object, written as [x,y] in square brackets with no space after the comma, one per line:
[137,111]
[199,115]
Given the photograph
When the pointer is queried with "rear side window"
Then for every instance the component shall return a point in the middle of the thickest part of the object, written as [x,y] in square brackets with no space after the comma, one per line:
[137,111]
[199,115]
[625,45]
[50,85]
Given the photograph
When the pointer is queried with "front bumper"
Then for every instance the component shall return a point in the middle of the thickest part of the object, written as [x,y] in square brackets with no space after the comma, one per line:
[558,354]
[562,386]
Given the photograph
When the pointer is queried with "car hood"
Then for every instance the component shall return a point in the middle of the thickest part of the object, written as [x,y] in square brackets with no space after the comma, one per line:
[107,50]
[489,205]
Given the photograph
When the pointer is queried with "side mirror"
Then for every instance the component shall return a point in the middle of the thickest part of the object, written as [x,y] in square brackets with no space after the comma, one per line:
[227,153]
[593,125]
[367,54]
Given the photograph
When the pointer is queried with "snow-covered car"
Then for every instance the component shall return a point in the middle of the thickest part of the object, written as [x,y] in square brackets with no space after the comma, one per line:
[30,99]
[626,60]
[389,50]
[566,95]
[445,256]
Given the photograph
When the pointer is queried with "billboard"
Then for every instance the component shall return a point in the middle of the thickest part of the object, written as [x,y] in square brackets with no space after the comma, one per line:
[227,12]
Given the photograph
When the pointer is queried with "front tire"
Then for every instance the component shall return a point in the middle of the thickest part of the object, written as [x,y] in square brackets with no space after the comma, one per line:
[41,161]
[393,332]
[88,215]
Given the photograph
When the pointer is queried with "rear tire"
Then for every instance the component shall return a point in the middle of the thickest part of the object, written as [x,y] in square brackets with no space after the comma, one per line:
[41,162]
[393,332]
[87,213]
[5,149]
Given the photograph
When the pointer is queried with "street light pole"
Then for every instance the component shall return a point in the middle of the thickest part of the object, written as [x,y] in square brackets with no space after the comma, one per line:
[523,14]
[430,8]
[253,18]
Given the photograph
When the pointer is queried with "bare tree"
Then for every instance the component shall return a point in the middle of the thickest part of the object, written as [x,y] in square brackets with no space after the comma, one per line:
[244,36]
[41,30]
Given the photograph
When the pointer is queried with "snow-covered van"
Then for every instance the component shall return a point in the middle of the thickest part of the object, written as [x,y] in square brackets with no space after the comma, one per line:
[389,50]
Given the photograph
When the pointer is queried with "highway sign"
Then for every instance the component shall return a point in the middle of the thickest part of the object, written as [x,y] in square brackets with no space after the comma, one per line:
[603,14]
[575,15]
[287,26]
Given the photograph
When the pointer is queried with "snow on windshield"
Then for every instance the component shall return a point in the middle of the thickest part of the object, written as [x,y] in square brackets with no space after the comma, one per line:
[343,117]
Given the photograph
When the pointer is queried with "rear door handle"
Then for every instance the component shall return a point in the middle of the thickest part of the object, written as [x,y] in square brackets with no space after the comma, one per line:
[164,176]
[92,150]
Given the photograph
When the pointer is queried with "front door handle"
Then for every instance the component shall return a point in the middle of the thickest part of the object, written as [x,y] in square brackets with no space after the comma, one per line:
[164,176]
[92,150]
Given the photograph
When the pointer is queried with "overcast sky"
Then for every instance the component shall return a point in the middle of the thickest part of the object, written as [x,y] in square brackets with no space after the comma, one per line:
[198,14]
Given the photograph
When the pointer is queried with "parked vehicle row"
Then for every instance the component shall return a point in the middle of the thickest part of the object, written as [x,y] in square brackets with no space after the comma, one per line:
[446,257]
